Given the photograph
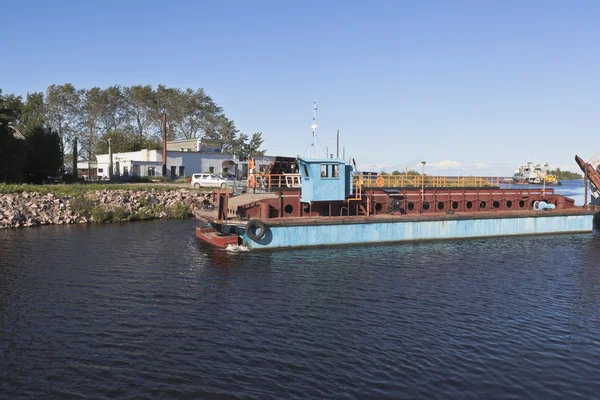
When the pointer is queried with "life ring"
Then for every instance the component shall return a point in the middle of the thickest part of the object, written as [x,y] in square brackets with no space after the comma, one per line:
[256,229]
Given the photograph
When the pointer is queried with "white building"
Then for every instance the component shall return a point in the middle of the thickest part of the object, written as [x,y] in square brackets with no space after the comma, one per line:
[192,157]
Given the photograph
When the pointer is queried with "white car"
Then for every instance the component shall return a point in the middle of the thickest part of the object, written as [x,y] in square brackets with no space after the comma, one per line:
[208,180]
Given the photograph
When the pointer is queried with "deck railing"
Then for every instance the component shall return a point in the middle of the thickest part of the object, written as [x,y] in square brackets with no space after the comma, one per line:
[428,181]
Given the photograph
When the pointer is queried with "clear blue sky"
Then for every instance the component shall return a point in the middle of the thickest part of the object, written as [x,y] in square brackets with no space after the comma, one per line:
[471,87]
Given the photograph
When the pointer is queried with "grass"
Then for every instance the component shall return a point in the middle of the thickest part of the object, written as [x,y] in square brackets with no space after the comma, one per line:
[179,211]
[78,189]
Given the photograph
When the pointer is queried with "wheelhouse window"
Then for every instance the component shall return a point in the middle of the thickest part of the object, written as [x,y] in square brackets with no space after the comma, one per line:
[336,170]
[330,171]
[324,170]
[305,170]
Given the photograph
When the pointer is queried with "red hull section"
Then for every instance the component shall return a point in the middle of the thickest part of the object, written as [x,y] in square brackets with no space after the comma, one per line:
[216,238]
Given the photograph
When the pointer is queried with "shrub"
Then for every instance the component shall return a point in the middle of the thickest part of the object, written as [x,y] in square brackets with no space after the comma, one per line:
[100,214]
[142,214]
[179,211]
[119,214]
[70,178]
[82,205]
[139,179]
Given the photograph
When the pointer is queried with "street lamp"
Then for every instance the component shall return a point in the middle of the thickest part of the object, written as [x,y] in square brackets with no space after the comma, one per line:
[423,183]
[544,186]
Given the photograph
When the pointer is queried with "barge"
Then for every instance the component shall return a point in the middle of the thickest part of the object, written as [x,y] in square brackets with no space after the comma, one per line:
[301,202]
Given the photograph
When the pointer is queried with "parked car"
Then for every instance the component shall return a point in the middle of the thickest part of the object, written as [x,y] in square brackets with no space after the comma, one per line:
[208,180]
[43,177]
[227,176]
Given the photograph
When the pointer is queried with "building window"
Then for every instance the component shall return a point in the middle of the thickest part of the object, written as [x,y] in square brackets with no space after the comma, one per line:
[182,171]
[211,169]
[100,170]
[151,171]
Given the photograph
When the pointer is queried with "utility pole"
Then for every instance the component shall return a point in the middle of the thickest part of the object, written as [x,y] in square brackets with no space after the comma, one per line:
[337,151]
[110,160]
[164,134]
[422,184]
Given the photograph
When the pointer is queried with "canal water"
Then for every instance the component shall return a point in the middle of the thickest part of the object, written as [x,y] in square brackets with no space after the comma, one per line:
[143,310]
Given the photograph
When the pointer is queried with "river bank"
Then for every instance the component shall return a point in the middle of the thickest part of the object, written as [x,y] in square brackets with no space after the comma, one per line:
[25,209]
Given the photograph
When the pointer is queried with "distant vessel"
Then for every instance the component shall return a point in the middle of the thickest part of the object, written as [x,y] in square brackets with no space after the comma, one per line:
[531,173]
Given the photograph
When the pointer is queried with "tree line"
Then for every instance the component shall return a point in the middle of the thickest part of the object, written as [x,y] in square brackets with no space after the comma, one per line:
[26,145]
[131,116]
[564,175]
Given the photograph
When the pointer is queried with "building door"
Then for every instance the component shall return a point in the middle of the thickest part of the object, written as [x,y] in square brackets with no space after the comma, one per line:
[182,171]
[173,171]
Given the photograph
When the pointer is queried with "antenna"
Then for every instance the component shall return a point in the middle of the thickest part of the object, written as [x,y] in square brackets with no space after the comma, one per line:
[314,127]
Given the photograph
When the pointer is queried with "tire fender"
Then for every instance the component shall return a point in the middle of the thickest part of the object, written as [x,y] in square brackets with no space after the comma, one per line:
[256,229]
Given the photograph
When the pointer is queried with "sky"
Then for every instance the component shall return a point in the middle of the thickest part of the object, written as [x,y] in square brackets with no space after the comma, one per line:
[470,87]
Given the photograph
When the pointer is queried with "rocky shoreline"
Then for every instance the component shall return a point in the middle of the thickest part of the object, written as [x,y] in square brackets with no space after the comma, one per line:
[105,206]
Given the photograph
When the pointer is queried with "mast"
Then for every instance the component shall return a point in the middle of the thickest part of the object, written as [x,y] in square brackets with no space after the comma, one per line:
[314,127]
[337,151]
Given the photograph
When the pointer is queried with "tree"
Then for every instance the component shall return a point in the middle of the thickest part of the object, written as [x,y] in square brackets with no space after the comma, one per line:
[33,113]
[254,146]
[195,110]
[161,103]
[114,108]
[123,142]
[11,149]
[63,111]
[43,150]
[92,109]
[138,100]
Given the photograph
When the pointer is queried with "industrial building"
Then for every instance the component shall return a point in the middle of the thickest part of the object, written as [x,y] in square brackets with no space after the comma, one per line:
[184,158]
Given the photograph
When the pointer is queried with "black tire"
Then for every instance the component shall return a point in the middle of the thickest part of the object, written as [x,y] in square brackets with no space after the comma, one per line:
[256,229]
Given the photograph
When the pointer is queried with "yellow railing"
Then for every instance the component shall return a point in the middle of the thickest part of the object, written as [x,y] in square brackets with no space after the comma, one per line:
[269,181]
[428,181]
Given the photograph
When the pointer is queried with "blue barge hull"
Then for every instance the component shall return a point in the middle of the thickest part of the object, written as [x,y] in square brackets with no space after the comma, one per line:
[336,232]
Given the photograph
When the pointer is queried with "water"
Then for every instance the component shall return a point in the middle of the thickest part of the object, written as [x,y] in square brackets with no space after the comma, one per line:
[143,310]
[574,189]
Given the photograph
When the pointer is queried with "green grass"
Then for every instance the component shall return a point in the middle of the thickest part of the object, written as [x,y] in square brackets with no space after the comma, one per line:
[179,211]
[81,188]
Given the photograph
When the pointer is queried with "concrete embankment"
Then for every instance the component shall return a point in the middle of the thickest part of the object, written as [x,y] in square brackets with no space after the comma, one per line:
[104,206]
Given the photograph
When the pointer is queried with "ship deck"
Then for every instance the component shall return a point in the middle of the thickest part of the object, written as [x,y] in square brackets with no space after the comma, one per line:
[211,217]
